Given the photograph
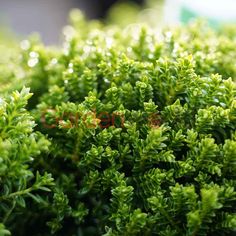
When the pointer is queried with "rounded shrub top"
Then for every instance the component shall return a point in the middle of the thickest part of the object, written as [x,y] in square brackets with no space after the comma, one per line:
[136,127]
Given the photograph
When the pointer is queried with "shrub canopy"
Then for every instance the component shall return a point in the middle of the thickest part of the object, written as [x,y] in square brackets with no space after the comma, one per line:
[130,131]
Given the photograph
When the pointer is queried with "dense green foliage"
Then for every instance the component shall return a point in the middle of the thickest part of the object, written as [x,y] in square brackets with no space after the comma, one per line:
[129,132]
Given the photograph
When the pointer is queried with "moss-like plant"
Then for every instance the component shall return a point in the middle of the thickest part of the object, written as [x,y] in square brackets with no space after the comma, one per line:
[136,127]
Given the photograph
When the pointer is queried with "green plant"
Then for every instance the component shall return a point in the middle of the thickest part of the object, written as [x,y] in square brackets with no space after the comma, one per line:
[19,146]
[137,129]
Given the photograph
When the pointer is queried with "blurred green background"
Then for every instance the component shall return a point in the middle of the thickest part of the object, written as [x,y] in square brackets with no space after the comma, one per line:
[48,17]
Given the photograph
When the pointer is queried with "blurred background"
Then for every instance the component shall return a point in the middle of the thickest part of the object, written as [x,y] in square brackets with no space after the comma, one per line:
[47,17]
